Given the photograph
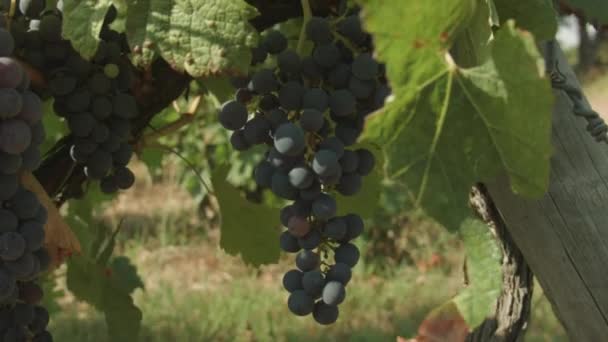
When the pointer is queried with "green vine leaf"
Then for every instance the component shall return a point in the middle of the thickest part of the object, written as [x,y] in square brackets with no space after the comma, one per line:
[447,127]
[248,229]
[596,9]
[98,286]
[82,21]
[200,37]
[477,301]
[536,16]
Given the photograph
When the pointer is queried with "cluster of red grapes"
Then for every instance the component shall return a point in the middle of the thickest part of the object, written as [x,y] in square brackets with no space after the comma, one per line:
[93,96]
[22,216]
[310,111]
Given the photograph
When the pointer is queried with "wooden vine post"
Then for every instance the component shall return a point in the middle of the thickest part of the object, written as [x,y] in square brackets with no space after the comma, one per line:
[564,235]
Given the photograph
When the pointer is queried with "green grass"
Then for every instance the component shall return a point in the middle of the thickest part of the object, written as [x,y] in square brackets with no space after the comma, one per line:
[233,303]
[195,292]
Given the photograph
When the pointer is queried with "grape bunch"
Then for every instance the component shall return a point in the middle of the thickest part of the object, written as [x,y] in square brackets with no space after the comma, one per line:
[93,96]
[309,111]
[22,216]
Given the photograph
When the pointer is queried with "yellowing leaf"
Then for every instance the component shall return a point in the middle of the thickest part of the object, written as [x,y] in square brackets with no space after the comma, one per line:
[60,240]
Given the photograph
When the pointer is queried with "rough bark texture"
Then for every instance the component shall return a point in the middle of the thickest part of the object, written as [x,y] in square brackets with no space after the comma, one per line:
[563,236]
[513,305]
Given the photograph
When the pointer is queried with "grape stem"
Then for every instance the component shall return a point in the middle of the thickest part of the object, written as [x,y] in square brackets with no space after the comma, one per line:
[185,119]
[188,163]
[307,14]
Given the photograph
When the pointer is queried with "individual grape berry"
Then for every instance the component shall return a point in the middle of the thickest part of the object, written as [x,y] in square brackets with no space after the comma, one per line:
[335,229]
[333,293]
[311,70]
[256,130]
[10,103]
[289,139]
[276,117]
[347,134]
[11,73]
[380,95]
[7,285]
[292,280]
[50,27]
[280,161]
[82,124]
[311,240]
[12,246]
[312,192]
[289,61]
[281,186]
[124,105]
[9,184]
[23,314]
[233,115]
[263,174]
[339,272]
[100,133]
[324,207]
[31,110]
[264,81]
[354,227]
[10,163]
[289,243]
[41,320]
[316,98]
[275,42]
[313,282]
[300,303]
[290,95]
[101,108]
[8,43]
[21,267]
[361,89]
[325,163]
[327,56]
[318,30]
[122,156]
[333,144]
[8,221]
[258,55]
[111,70]
[325,314]
[32,233]
[268,102]
[124,178]
[339,76]
[350,27]
[301,177]
[342,102]
[98,165]
[307,260]
[366,162]
[365,67]
[24,204]
[311,120]
[347,254]
[30,293]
